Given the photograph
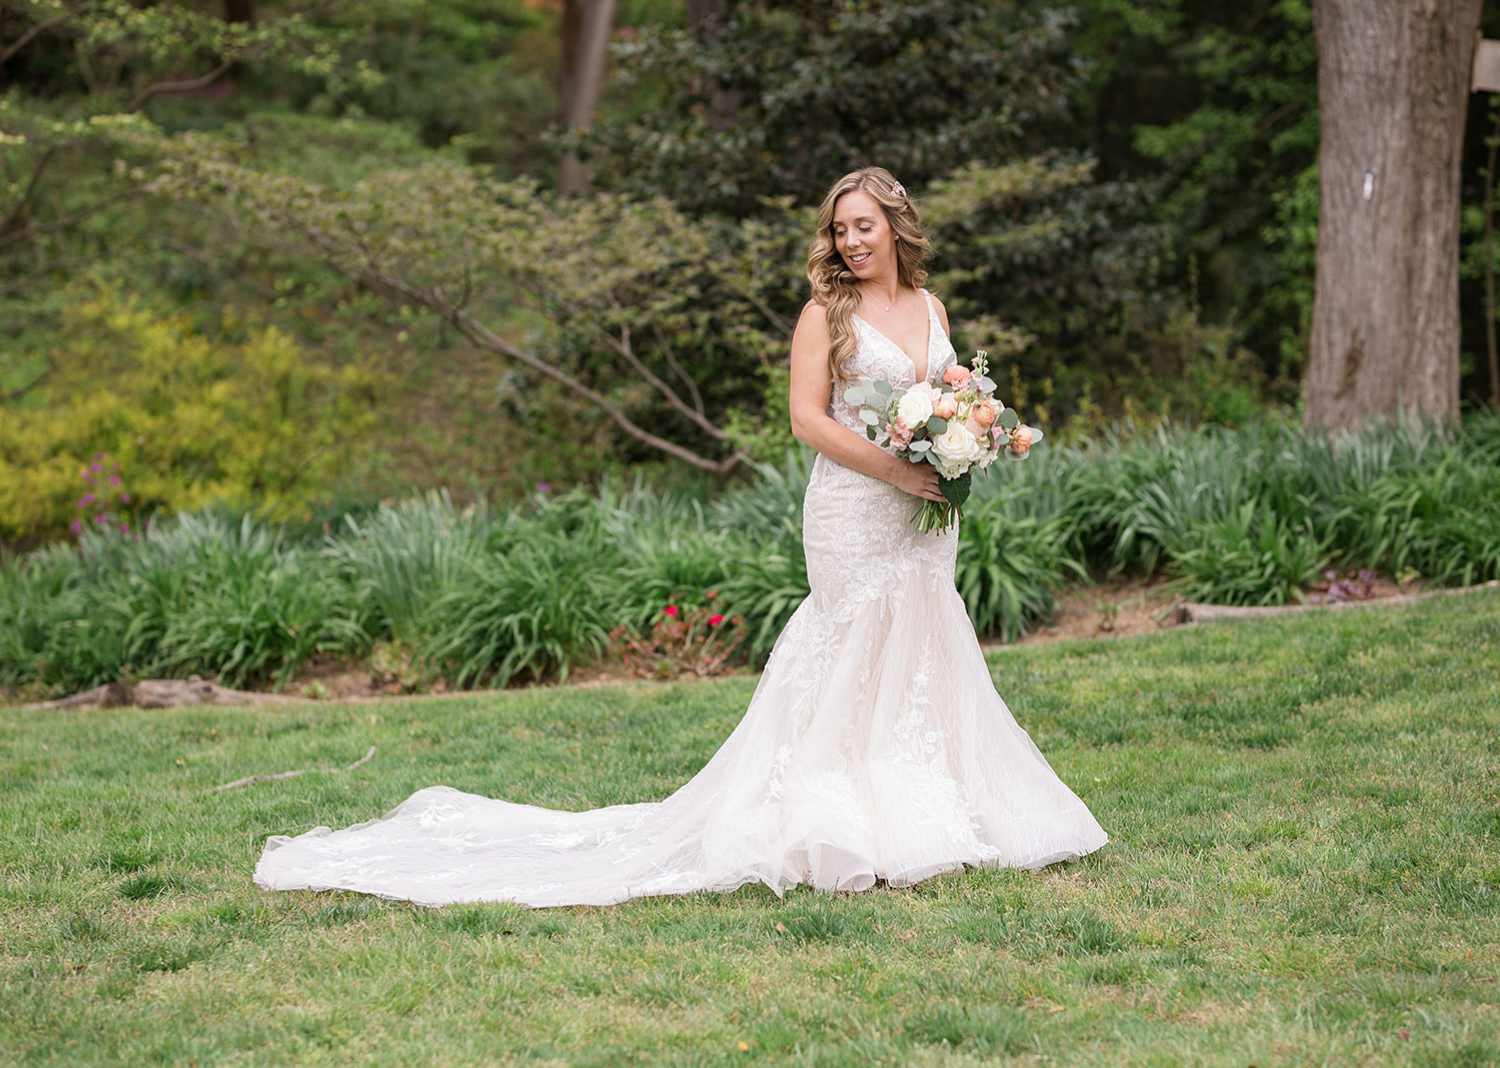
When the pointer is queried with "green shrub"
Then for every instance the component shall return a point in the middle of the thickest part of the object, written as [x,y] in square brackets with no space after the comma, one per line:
[1253,556]
[402,557]
[191,420]
[531,610]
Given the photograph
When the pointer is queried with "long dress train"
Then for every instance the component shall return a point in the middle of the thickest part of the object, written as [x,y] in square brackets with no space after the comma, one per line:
[875,746]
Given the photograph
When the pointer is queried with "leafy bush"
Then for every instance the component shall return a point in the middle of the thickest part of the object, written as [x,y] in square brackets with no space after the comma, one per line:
[531,610]
[205,593]
[191,420]
[403,557]
[1252,556]
[249,607]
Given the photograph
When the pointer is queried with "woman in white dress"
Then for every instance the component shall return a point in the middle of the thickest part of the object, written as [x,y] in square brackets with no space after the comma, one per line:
[875,746]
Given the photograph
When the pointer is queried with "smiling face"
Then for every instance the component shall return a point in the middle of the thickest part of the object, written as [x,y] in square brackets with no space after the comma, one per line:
[863,236]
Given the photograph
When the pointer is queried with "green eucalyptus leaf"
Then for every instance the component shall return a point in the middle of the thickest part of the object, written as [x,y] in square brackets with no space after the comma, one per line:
[1009,419]
[936,425]
[882,388]
[920,446]
[870,418]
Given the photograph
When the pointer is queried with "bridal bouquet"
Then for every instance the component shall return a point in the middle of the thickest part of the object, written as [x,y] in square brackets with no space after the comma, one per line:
[955,427]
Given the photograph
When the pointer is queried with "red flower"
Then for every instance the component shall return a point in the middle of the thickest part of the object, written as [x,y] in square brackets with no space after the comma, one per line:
[714,621]
[671,610]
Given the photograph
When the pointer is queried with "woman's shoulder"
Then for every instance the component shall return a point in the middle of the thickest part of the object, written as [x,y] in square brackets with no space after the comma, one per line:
[814,318]
[815,310]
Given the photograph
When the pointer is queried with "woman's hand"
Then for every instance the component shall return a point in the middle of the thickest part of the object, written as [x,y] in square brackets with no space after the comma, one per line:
[920,480]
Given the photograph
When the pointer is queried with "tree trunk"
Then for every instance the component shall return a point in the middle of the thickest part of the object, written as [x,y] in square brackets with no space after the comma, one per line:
[239,10]
[586,25]
[1393,86]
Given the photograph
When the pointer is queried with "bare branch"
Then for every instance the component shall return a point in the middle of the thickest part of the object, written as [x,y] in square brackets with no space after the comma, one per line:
[666,349]
[483,337]
[185,85]
[250,780]
[25,38]
[624,348]
[36,176]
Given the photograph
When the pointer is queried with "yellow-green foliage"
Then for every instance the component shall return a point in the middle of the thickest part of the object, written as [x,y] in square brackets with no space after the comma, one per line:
[189,419]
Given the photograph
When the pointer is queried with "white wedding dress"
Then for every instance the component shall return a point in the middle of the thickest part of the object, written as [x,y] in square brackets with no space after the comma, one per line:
[875,747]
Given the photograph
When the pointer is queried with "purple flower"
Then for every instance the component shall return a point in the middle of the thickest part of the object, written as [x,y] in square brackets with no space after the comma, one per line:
[100,455]
[114,480]
[124,528]
[88,476]
[96,468]
[76,527]
[102,518]
[86,500]
[544,487]
[124,498]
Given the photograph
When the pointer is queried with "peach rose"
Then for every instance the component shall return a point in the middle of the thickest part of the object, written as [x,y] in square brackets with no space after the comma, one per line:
[946,407]
[957,377]
[984,414]
[1020,440]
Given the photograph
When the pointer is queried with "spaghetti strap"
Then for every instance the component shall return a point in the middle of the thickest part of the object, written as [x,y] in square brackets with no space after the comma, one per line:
[935,325]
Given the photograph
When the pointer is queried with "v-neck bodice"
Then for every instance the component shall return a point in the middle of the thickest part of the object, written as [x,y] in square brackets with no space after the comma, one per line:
[879,358]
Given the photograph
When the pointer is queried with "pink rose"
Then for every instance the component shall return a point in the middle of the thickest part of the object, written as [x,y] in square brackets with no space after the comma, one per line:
[1020,440]
[957,377]
[946,407]
[715,620]
[671,610]
[900,433]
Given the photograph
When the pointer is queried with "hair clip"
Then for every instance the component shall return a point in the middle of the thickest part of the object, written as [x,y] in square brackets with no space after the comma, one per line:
[898,190]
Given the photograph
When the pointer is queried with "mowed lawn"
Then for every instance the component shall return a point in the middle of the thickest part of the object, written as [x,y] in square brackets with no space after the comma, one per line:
[1305,870]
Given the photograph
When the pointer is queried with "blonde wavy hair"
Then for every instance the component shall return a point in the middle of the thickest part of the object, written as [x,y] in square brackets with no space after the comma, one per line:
[835,286]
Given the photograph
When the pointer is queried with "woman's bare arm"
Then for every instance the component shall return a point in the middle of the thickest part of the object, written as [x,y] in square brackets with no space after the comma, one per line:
[812,388]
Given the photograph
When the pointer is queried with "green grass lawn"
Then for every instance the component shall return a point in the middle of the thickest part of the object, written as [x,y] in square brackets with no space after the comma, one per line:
[1305,869]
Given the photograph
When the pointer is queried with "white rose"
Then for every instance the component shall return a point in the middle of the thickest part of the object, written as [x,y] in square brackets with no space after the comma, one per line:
[915,408]
[955,449]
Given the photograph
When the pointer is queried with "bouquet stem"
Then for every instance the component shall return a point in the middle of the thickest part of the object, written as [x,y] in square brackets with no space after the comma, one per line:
[935,516]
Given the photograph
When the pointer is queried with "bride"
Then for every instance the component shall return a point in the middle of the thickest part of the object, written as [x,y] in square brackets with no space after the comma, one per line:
[875,746]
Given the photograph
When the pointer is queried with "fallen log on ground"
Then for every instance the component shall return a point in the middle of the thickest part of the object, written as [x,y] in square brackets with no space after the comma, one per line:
[163,693]
[1207,613]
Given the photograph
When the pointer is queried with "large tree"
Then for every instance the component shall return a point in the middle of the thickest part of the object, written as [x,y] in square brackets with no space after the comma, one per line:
[1393,82]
